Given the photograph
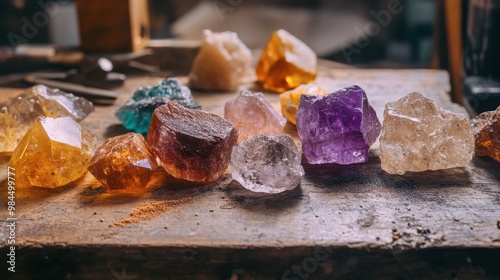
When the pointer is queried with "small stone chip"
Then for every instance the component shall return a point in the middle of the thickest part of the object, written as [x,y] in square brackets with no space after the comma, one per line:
[486,128]
[290,99]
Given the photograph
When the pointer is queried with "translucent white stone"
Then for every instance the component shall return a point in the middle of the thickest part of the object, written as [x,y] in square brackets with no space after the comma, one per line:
[417,135]
[268,164]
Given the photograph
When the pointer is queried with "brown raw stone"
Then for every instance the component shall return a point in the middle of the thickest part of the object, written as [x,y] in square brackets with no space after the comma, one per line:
[486,128]
[192,145]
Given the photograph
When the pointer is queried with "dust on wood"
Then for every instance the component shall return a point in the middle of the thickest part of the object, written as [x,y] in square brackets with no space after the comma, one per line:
[149,210]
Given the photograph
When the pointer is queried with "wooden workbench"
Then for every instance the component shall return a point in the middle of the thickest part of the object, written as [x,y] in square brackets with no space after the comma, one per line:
[342,221]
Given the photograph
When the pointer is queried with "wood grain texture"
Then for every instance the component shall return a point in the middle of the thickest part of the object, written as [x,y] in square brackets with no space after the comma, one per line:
[368,224]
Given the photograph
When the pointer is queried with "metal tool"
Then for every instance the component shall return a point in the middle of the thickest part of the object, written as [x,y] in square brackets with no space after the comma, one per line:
[87,92]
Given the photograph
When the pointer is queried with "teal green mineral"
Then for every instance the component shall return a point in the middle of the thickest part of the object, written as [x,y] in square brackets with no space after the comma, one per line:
[137,112]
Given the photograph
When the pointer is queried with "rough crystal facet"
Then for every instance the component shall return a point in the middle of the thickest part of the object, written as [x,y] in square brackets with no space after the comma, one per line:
[337,128]
[268,164]
[192,145]
[15,119]
[486,128]
[286,63]
[417,135]
[56,103]
[137,111]
[123,163]
[252,115]
[290,99]
[19,113]
[222,62]
[53,153]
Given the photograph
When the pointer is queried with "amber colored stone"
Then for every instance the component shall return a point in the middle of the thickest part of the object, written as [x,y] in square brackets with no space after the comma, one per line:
[290,99]
[53,153]
[192,145]
[124,164]
[16,117]
[286,63]
[486,128]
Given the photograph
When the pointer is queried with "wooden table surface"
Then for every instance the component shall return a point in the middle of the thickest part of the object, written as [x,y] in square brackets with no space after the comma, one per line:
[342,221]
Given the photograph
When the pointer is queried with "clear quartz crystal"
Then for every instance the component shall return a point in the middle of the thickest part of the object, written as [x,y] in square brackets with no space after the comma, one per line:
[268,164]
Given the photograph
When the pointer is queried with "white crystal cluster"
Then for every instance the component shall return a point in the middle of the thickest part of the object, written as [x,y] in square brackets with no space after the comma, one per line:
[222,62]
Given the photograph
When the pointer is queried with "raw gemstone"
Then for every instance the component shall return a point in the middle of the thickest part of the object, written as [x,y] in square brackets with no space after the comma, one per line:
[268,164]
[286,63]
[56,103]
[124,163]
[417,135]
[486,128]
[192,145]
[137,111]
[222,62]
[252,115]
[53,153]
[15,120]
[337,128]
[19,113]
[290,99]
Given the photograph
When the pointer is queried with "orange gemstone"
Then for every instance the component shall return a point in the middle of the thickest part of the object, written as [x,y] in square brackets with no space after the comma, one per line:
[285,63]
[290,99]
[123,164]
[486,128]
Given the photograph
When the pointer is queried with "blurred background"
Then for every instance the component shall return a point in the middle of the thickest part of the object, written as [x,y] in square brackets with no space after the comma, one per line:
[404,39]
[460,36]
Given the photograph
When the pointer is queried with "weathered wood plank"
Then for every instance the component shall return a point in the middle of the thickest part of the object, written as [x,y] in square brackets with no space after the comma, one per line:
[432,224]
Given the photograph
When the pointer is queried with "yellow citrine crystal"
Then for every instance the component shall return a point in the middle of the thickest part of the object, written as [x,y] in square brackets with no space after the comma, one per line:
[290,99]
[285,63]
[53,153]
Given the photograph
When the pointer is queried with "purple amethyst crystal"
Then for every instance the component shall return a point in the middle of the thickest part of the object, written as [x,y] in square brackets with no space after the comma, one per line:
[337,128]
